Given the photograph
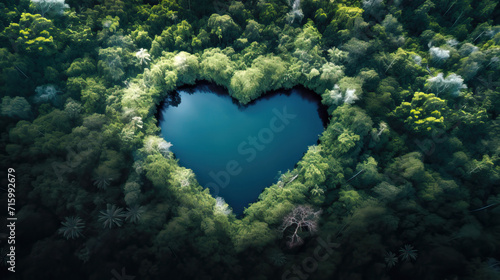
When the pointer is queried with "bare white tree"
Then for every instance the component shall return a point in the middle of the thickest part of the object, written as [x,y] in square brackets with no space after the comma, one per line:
[50,6]
[143,56]
[302,218]
[350,96]
[221,207]
[296,12]
[452,84]
[439,54]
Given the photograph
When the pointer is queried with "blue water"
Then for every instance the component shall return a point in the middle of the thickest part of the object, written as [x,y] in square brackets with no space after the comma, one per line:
[237,151]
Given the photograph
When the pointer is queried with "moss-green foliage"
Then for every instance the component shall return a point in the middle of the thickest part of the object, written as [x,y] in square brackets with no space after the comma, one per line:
[410,156]
[424,114]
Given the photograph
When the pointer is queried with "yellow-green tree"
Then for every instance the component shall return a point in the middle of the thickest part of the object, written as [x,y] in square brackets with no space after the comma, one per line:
[33,35]
[424,114]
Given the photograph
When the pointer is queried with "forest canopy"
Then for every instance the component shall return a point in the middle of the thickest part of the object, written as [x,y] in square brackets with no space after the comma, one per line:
[403,183]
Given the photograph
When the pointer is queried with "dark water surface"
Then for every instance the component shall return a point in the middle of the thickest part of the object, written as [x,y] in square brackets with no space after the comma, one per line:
[237,151]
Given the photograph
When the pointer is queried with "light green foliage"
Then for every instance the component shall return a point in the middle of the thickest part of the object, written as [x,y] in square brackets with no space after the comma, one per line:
[186,66]
[238,12]
[337,56]
[370,175]
[308,38]
[307,56]
[357,49]
[345,18]
[393,30]
[245,84]
[110,24]
[273,69]
[348,126]
[268,11]
[170,80]
[82,67]
[183,177]
[72,108]
[355,84]
[251,234]
[92,94]
[223,28]
[401,64]
[155,144]
[409,166]
[277,201]
[113,62]
[330,75]
[473,64]
[350,198]
[252,31]
[486,169]
[313,166]
[158,169]
[347,91]
[216,66]
[176,37]
[251,52]
[33,35]
[386,192]
[424,114]
[353,118]
[201,40]
[346,141]
[320,17]
[266,73]
[141,39]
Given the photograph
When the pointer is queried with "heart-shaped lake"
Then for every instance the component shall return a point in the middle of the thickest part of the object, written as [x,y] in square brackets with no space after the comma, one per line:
[237,151]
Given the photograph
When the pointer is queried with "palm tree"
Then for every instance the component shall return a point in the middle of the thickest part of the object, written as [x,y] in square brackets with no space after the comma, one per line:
[72,227]
[408,253]
[134,213]
[102,181]
[276,257]
[391,259]
[112,216]
[143,56]
[317,191]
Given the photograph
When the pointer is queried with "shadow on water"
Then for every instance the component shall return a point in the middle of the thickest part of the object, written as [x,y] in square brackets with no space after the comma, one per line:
[174,99]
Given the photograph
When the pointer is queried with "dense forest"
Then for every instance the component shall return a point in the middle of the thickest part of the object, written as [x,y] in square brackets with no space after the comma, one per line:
[404,182]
